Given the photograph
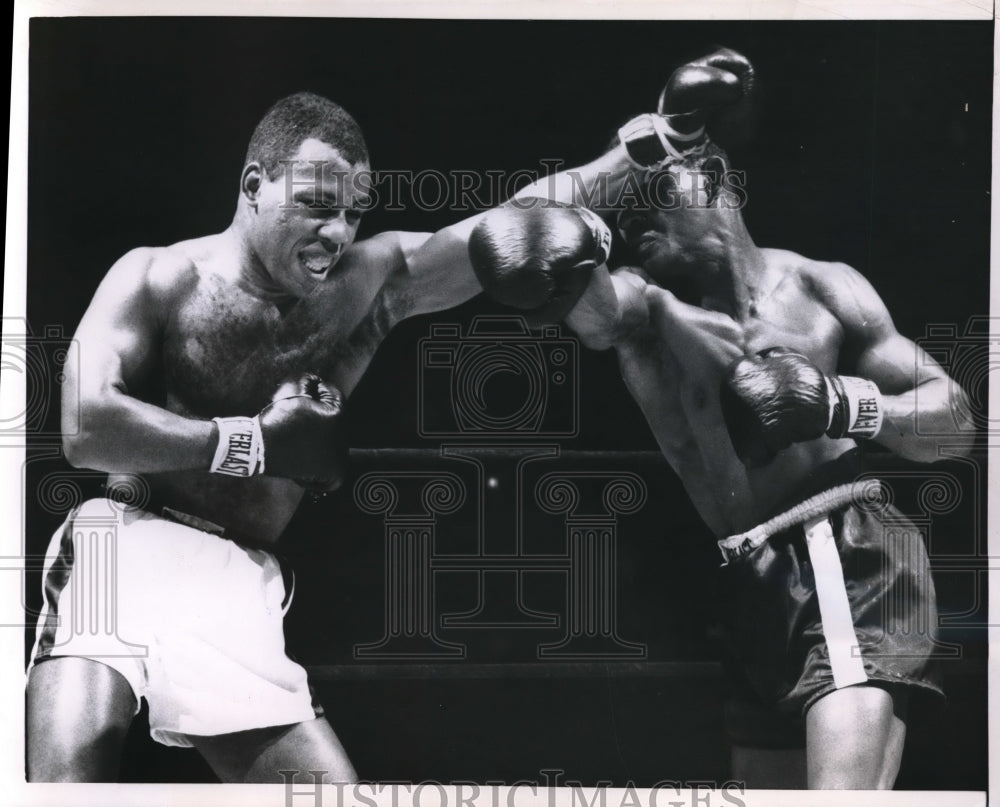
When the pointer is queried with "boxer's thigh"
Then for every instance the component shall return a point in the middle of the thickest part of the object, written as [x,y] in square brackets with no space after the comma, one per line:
[77,715]
[261,755]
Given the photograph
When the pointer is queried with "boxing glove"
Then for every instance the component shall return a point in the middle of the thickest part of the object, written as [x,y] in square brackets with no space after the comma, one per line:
[711,95]
[714,93]
[299,435]
[779,397]
[538,258]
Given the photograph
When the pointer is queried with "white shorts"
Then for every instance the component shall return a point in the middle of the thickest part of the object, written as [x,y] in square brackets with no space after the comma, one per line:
[191,620]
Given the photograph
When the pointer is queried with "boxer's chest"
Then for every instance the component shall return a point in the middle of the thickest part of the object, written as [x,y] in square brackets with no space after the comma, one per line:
[226,351]
[703,344]
[677,366]
[210,344]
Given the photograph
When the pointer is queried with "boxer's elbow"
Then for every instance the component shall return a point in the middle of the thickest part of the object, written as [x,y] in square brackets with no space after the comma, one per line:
[87,434]
[77,436]
[932,437]
[82,448]
[944,424]
[926,449]
[912,448]
[77,449]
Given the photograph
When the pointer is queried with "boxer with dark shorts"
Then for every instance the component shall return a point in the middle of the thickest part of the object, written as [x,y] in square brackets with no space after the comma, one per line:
[757,385]
[210,382]
[782,595]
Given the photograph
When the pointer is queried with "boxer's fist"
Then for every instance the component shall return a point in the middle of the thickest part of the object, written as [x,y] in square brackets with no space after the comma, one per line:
[714,93]
[303,434]
[772,400]
[538,258]
[779,397]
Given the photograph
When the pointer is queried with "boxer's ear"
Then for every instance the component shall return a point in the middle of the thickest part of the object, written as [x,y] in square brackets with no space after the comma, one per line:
[250,182]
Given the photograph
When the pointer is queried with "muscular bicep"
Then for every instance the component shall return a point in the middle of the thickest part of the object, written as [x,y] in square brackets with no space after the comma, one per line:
[920,405]
[433,271]
[896,364]
[872,346]
[612,307]
[116,335]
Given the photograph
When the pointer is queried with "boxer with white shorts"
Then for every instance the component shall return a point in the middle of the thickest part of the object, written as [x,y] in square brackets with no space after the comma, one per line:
[214,369]
[200,636]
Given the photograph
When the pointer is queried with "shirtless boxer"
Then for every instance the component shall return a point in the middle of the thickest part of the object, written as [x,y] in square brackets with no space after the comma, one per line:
[756,388]
[215,368]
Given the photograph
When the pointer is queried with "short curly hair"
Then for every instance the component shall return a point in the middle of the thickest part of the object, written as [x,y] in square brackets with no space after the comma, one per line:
[299,117]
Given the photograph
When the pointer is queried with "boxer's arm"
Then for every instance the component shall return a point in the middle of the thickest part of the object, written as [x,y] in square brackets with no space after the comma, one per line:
[910,381]
[710,94]
[104,426]
[612,309]
[434,272]
[597,185]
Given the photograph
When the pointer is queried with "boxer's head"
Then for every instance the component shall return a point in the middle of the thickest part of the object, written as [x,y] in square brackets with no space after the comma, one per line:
[674,214]
[305,184]
[301,117]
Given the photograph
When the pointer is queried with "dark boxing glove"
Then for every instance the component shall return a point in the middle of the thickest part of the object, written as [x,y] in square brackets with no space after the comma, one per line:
[711,95]
[299,435]
[714,92]
[779,397]
[538,258]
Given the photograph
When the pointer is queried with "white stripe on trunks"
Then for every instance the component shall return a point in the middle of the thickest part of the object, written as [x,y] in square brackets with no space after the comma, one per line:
[834,609]
[831,591]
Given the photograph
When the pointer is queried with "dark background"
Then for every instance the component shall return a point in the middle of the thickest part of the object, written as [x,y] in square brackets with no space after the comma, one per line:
[872,146]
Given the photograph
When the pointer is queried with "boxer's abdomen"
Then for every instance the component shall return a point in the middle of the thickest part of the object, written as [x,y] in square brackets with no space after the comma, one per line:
[674,372]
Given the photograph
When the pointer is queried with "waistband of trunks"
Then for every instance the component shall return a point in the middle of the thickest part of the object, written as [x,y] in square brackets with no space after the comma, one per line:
[848,467]
[162,508]
[821,504]
[188,520]
[156,507]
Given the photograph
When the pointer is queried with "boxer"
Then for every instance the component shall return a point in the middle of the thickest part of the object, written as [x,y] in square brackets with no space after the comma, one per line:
[216,369]
[758,386]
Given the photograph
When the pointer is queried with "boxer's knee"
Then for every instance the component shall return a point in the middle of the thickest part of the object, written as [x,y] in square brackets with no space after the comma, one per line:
[77,713]
[307,752]
[854,739]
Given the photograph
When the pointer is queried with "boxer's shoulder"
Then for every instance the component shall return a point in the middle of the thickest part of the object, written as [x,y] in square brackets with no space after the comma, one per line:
[163,273]
[140,288]
[826,280]
[848,296]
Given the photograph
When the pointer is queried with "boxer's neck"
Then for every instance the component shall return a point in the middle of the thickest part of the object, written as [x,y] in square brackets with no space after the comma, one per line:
[736,278]
[253,276]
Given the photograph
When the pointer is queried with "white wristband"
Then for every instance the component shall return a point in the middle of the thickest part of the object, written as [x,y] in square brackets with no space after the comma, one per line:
[650,140]
[682,137]
[240,451]
[860,402]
